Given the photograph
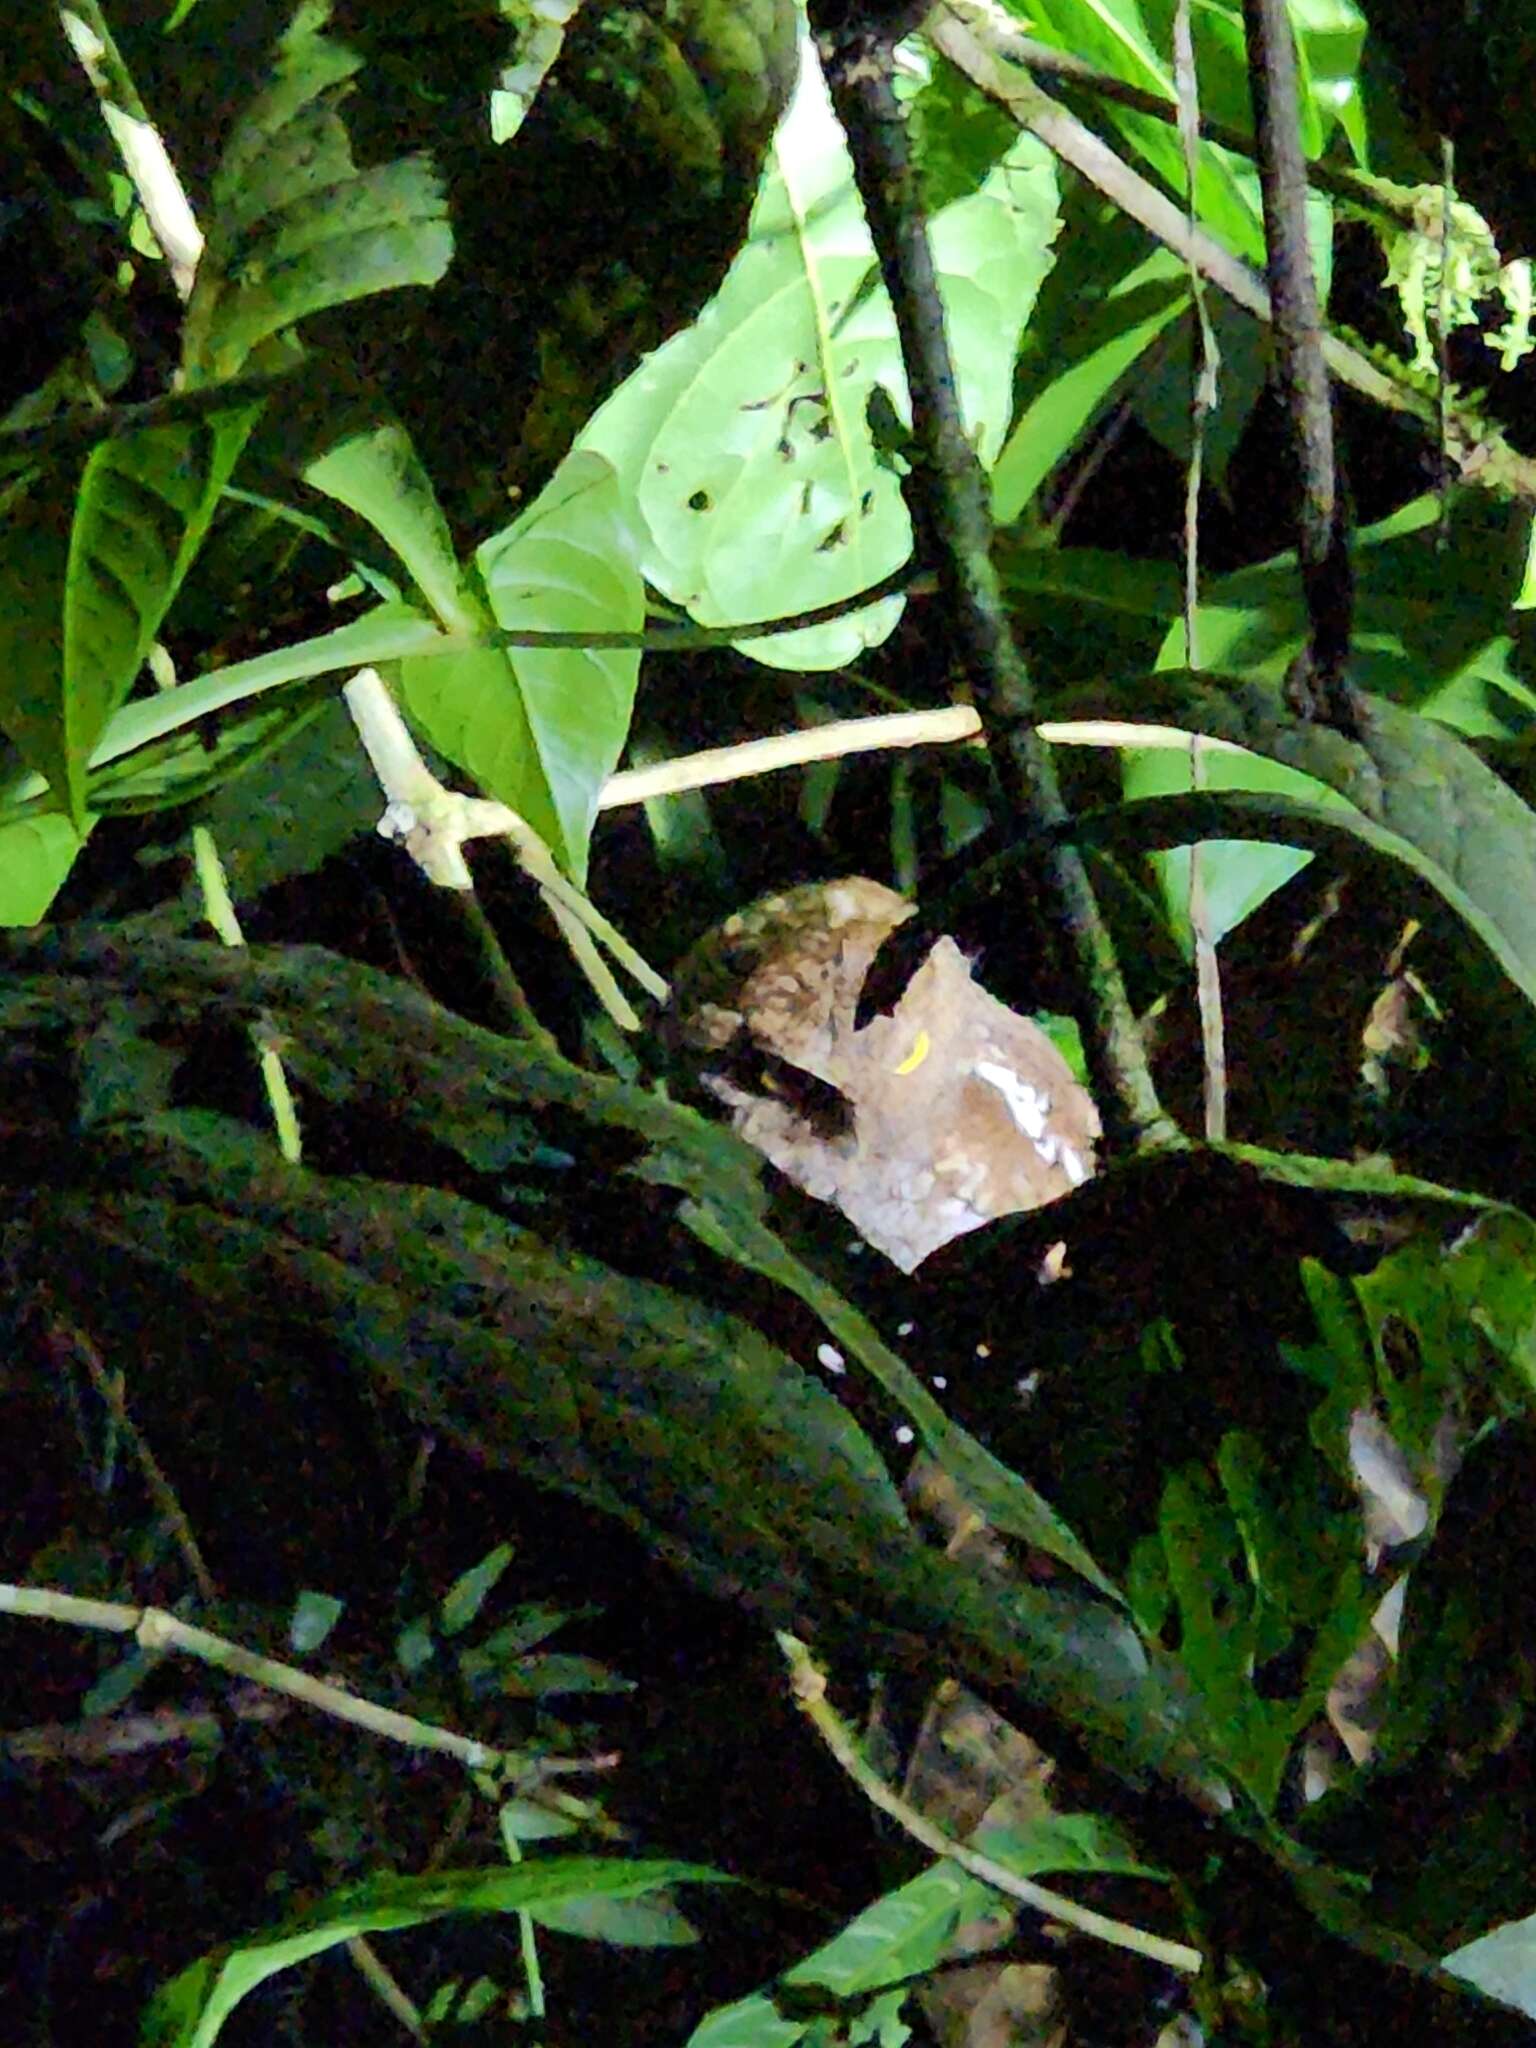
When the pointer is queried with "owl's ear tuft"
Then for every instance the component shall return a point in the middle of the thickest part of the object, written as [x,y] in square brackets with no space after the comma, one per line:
[890,974]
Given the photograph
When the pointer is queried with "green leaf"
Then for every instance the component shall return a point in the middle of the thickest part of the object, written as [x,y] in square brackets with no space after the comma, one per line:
[190,2011]
[556,1672]
[622,1923]
[75,625]
[903,1935]
[957,133]
[1218,1633]
[1236,875]
[524,1820]
[469,1592]
[748,489]
[1046,1841]
[295,226]
[1501,1962]
[1431,628]
[293,787]
[188,765]
[1453,824]
[378,475]
[389,632]
[119,1682]
[414,1647]
[36,855]
[543,728]
[314,1616]
[1159,396]
[1133,42]
[1098,335]
[918,1927]
[528,1627]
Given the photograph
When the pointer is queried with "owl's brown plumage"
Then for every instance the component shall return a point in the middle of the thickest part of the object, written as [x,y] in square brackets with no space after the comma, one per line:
[920,1126]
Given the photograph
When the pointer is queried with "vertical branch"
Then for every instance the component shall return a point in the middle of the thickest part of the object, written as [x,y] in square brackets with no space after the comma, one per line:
[1442,341]
[1205,361]
[947,498]
[145,158]
[1318,685]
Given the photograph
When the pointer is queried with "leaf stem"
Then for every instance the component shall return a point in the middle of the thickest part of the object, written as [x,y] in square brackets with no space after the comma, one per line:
[809,1685]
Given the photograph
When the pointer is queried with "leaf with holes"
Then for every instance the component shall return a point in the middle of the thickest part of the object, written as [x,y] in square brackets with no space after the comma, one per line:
[745,441]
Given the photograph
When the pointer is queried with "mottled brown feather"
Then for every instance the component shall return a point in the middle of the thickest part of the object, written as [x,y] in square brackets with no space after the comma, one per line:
[959,1109]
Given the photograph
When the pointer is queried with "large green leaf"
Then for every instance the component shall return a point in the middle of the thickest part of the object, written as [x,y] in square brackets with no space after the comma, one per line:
[1432,615]
[1417,793]
[77,620]
[1093,336]
[296,227]
[1431,628]
[190,2011]
[745,441]
[543,728]
[1131,40]
[1157,822]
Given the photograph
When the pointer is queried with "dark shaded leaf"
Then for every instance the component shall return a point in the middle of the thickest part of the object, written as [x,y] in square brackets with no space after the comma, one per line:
[296,227]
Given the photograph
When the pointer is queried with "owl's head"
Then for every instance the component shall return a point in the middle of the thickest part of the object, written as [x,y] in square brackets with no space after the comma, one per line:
[921,1125]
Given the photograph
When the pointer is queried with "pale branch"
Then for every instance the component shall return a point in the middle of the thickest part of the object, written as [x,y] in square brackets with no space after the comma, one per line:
[969,34]
[809,1686]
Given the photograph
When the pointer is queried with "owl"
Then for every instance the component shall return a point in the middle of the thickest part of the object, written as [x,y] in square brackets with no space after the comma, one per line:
[919,1125]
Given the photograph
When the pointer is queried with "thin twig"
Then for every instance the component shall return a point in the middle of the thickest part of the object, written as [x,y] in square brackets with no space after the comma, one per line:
[1205,363]
[809,1685]
[956,724]
[385,1986]
[831,742]
[436,823]
[973,35]
[1442,339]
[219,909]
[109,1389]
[153,1629]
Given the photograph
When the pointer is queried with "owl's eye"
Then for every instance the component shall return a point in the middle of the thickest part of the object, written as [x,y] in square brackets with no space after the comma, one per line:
[922,1045]
[823,1108]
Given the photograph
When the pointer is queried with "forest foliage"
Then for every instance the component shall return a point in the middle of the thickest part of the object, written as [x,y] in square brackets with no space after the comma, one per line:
[537,365]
